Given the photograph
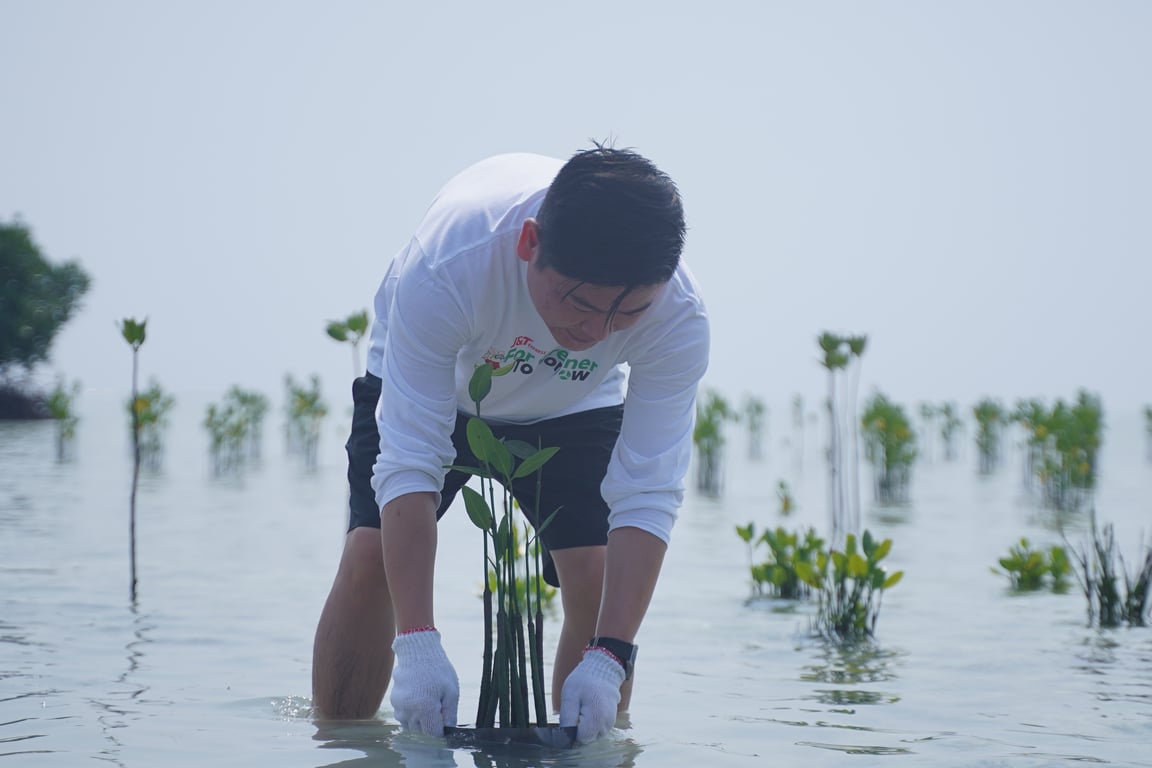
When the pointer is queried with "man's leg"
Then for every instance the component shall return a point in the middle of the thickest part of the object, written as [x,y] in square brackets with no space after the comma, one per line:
[352,652]
[581,572]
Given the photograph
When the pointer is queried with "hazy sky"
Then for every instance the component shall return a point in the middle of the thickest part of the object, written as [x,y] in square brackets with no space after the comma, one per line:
[969,183]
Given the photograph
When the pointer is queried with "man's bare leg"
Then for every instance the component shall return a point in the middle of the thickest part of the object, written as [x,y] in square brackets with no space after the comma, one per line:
[352,652]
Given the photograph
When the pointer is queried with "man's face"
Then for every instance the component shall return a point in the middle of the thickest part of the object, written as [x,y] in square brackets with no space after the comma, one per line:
[579,314]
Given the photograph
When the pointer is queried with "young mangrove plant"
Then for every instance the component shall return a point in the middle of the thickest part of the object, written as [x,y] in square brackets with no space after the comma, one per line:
[62,407]
[755,415]
[234,429]
[778,575]
[990,420]
[890,446]
[513,659]
[1063,444]
[1115,595]
[134,333]
[149,421]
[351,329]
[784,494]
[1030,569]
[850,585]
[950,426]
[843,436]
[712,412]
[305,411]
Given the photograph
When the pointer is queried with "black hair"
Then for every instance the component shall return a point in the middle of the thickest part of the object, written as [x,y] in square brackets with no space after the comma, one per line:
[611,217]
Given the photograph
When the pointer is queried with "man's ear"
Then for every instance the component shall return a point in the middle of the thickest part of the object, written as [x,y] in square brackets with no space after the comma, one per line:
[528,246]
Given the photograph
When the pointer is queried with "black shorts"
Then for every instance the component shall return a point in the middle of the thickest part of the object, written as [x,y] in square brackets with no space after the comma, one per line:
[569,481]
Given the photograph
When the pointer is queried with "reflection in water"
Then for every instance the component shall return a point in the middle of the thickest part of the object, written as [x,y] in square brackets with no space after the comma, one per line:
[1122,665]
[385,745]
[115,714]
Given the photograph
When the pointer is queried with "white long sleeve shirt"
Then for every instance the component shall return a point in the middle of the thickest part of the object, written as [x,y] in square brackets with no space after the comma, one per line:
[457,296]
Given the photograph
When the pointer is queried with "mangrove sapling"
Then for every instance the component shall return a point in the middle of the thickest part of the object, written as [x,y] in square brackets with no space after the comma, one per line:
[949,429]
[890,446]
[1029,570]
[149,410]
[712,411]
[513,657]
[62,407]
[843,440]
[850,593]
[1063,446]
[134,333]
[778,576]
[305,410]
[351,329]
[990,419]
[234,429]
[784,494]
[755,415]
[1101,572]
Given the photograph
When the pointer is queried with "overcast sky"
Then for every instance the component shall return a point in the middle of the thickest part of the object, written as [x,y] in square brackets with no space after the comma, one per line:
[968,183]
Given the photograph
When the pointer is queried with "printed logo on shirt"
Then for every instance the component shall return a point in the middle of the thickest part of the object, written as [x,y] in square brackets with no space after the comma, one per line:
[527,358]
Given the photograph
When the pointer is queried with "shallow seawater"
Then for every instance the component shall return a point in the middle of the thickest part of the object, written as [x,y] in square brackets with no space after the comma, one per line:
[212,665]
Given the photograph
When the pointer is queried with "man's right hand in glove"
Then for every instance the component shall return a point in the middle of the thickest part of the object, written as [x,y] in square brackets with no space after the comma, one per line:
[425,689]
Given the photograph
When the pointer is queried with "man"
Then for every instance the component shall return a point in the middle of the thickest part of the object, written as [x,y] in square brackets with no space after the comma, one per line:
[571,273]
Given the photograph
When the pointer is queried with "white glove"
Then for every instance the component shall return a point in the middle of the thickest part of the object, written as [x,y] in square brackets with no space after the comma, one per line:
[591,695]
[425,689]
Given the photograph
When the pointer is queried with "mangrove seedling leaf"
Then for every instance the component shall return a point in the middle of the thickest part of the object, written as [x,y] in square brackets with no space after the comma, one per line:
[808,575]
[540,528]
[857,566]
[882,551]
[337,331]
[478,510]
[486,447]
[894,579]
[519,448]
[745,532]
[868,543]
[481,383]
[534,462]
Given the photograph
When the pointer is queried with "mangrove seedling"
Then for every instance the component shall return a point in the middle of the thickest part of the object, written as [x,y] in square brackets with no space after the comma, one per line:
[234,428]
[778,575]
[850,585]
[950,426]
[351,329]
[1063,445]
[305,410]
[755,415]
[990,419]
[890,446]
[513,660]
[134,333]
[149,411]
[712,412]
[843,437]
[784,494]
[1115,595]
[1030,569]
[62,407]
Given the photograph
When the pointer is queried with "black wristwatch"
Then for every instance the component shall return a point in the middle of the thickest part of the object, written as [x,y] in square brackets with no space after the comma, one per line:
[624,652]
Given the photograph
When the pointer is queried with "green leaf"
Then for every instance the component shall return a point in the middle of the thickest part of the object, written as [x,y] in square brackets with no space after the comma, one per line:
[882,551]
[868,543]
[540,528]
[504,369]
[745,532]
[358,323]
[519,448]
[894,579]
[857,566]
[134,332]
[808,575]
[481,383]
[534,462]
[337,331]
[478,509]
[487,448]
